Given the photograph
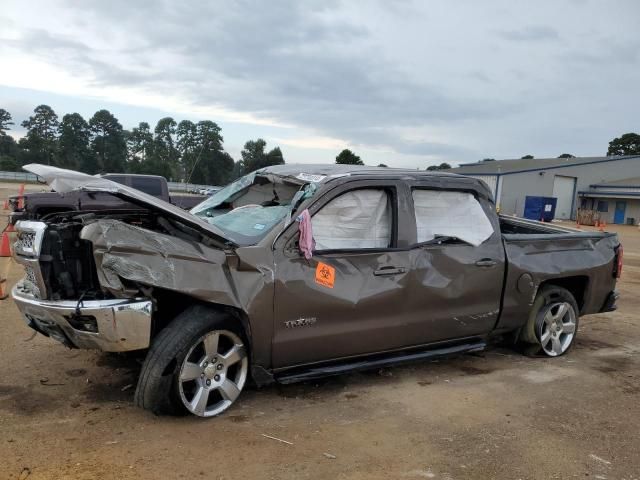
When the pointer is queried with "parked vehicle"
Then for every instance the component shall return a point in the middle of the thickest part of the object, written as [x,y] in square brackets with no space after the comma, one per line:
[38,204]
[407,265]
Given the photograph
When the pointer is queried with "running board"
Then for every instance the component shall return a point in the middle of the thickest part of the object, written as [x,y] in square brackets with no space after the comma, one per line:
[300,374]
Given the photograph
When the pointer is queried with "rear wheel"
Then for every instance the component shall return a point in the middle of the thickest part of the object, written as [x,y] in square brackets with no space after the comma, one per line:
[198,364]
[553,323]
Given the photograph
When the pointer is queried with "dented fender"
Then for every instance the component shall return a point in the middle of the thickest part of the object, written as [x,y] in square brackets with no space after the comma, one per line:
[239,278]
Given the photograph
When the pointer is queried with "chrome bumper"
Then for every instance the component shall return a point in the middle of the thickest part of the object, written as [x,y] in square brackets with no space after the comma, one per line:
[110,325]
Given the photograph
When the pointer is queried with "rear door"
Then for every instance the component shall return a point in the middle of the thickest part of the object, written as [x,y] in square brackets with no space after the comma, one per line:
[456,284]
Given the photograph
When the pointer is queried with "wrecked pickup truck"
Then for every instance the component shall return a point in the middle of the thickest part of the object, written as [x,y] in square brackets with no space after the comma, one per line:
[299,271]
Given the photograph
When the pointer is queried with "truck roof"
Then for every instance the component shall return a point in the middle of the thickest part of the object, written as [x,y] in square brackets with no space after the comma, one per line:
[336,170]
[324,173]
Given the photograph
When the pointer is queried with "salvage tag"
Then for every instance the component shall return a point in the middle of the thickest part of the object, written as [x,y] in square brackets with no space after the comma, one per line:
[325,275]
[309,177]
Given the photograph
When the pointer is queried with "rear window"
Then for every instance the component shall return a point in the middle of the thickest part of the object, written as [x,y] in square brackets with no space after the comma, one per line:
[150,185]
[453,214]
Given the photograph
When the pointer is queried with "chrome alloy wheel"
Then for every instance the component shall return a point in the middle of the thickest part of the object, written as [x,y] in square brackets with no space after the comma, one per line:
[558,328]
[213,373]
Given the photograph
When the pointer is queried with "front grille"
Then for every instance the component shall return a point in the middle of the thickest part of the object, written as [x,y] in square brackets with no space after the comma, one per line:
[25,241]
[31,280]
[26,251]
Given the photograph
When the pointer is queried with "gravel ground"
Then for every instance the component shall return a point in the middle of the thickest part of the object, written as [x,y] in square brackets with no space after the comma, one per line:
[68,414]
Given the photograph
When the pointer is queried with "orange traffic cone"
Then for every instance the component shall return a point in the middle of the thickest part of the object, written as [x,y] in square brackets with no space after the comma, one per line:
[21,190]
[5,245]
[10,228]
[5,205]
[3,294]
[601,226]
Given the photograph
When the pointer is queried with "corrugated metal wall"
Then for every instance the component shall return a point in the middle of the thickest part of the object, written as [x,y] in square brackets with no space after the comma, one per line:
[490,180]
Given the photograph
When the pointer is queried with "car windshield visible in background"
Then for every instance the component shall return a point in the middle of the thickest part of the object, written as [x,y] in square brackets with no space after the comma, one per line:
[250,207]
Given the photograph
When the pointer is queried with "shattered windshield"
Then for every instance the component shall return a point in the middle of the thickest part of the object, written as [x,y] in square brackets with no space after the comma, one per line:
[250,207]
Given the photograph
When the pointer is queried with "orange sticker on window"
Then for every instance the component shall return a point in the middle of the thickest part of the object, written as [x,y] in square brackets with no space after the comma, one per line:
[325,275]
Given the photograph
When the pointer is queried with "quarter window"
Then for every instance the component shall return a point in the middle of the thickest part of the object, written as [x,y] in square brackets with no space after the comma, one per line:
[354,220]
[451,214]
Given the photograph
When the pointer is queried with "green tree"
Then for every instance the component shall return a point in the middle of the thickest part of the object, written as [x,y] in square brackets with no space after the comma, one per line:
[215,166]
[140,149]
[39,144]
[627,144]
[255,157]
[9,164]
[187,145]
[382,165]
[164,147]
[566,155]
[73,143]
[527,157]
[442,166]
[347,157]
[5,121]
[107,144]
[9,151]
[488,160]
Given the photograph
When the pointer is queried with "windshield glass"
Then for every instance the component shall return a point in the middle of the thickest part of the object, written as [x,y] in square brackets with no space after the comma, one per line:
[250,207]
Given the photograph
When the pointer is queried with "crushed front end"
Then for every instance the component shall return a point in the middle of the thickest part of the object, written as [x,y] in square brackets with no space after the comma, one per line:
[60,296]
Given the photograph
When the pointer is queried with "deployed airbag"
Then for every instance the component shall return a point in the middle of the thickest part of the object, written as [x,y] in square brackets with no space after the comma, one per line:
[356,219]
[454,214]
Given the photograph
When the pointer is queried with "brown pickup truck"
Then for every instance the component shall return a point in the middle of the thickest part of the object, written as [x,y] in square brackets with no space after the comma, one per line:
[299,271]
[38,204]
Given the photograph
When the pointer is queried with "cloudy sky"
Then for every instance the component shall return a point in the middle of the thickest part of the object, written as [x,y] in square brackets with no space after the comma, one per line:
[400,82]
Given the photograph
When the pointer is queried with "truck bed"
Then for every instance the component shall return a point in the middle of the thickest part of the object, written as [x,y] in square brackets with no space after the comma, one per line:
[538,253]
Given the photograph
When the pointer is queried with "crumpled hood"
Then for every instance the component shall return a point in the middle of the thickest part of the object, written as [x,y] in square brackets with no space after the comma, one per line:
[64,181]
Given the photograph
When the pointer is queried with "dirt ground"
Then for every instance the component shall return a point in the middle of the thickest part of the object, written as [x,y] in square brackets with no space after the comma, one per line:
[68,414]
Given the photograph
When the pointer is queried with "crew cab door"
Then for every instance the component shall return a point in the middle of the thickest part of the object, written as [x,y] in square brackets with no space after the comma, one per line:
[456,283]
[350,297]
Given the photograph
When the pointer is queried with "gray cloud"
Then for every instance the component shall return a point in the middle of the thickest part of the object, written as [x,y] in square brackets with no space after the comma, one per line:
[530,33]
[484,75]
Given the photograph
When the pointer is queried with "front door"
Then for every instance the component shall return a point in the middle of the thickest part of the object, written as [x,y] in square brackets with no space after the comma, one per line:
[349,298]
[621,208]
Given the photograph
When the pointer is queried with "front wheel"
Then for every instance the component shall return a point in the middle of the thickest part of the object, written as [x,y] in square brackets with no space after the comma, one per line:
[553,323]
[213,373]
[198,364]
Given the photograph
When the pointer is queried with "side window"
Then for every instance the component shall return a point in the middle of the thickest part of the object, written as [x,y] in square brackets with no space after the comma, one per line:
[354,220]
[603,206]
[150,185]
[452,214]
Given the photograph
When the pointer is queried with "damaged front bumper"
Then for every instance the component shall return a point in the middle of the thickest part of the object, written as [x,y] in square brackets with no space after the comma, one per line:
[109,325]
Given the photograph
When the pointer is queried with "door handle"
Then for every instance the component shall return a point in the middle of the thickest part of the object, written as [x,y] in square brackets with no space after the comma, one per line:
[486,262]
[389,271]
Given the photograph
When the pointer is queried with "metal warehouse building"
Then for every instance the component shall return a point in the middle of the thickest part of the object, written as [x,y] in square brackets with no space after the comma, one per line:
[610,185]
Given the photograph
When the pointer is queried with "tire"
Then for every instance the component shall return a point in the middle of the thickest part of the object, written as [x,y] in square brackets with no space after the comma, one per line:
[553,323]
[198,364]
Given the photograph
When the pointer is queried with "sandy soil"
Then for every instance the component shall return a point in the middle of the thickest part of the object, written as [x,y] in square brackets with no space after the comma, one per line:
[68,414]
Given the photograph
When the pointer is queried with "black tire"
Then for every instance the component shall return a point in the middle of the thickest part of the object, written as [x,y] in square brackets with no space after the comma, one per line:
[532,334]
[158,388]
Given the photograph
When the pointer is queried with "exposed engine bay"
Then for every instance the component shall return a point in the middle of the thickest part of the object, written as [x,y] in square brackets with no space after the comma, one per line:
[67,261]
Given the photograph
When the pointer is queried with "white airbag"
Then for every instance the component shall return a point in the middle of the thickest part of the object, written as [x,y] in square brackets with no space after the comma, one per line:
[454,214]
[356,219]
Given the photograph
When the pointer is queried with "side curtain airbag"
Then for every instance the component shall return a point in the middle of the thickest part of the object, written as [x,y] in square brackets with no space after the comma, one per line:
[454,214]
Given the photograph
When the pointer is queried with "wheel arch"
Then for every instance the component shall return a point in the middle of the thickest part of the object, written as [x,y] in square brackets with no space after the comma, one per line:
[576,285]
[170,304]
